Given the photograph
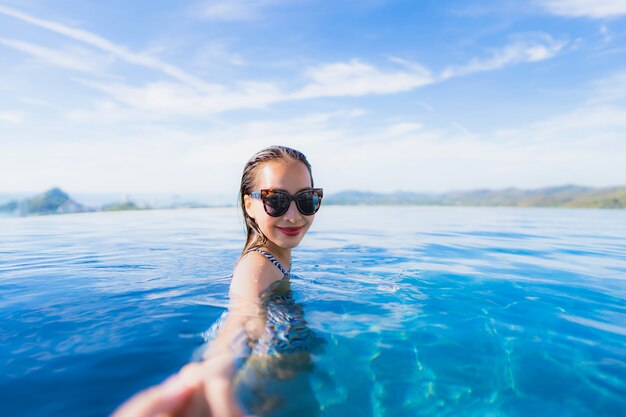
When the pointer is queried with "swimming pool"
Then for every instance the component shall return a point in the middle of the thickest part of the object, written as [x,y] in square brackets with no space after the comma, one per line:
[429,311]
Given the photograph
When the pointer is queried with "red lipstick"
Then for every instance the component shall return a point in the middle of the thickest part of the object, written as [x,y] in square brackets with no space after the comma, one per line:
[290,231]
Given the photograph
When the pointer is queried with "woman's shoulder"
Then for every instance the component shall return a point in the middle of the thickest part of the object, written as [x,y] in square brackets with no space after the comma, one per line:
[253,273]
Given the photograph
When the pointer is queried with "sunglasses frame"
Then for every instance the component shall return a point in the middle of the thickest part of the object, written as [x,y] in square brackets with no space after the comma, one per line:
[262,194]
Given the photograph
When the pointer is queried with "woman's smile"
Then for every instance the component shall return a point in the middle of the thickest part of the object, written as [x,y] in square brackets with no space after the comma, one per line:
[290,231]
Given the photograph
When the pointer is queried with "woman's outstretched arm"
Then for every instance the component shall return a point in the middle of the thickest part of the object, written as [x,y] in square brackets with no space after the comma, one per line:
[244,324]
[206,388]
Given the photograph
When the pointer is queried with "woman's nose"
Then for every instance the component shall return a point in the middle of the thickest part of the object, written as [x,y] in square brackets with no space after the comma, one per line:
[292,212]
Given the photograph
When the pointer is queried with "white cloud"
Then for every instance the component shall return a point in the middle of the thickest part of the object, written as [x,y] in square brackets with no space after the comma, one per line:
[216,54]
[606,34]
[584,146]
[156,158]
[167,100]
[188,95]
[612,88]
[585,8]
[105,45]
[193,96]
[233,10]
[77,60]
[35,102]
[14,117]
[517,52]
[402,129]
[356,78]
[170,99]
[585,122]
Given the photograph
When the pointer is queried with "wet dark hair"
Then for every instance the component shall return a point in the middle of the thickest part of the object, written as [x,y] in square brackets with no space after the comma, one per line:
[254,237]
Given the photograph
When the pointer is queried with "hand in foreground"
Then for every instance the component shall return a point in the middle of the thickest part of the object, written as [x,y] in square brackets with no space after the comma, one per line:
[195,391]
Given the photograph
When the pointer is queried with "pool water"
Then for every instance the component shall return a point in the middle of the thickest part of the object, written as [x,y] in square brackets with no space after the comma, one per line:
[421,311]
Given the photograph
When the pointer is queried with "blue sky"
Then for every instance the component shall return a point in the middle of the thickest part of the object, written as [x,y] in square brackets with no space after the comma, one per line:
[162,96]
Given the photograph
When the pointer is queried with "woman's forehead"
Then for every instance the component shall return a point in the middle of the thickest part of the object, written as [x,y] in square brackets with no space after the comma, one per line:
[286,175]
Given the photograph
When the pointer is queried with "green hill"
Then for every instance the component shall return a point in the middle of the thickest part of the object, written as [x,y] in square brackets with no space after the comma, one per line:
[562,196]
[52,201]
[48,202]
[616,199]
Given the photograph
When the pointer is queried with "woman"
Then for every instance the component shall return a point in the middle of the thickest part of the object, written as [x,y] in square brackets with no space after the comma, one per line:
[252,350]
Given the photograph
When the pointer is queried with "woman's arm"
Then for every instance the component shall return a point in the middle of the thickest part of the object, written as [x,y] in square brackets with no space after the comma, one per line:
[245,321]
[206,388]
[244,324]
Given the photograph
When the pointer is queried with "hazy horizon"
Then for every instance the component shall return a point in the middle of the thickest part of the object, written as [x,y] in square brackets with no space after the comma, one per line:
[102,197]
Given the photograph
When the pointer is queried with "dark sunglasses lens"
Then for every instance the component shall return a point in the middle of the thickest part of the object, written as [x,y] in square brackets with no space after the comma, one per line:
[308,202]
[276,204]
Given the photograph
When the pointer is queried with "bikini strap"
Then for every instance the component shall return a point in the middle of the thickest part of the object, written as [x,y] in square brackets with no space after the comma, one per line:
[272,260]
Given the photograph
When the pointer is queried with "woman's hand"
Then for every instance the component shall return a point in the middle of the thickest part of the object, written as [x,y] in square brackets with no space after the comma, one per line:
[218,372]
[197,390]
[179,395]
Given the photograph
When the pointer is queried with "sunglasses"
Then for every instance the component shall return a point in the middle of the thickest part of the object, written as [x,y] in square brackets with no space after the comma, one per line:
[276,202]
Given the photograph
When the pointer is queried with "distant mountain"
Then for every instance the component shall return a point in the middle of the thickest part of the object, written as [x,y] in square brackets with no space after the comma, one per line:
[55,201]
[52,201]
[562,196]
[127,205]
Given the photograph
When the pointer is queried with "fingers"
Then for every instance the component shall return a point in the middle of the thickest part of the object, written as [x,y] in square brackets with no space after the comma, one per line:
[194,391]
[167,398]
[221,398]
[197,405]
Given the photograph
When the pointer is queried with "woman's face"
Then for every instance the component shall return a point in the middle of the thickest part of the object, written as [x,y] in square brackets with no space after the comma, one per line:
[287,230]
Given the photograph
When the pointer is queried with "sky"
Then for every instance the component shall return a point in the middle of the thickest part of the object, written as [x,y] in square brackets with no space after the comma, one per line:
[174,97]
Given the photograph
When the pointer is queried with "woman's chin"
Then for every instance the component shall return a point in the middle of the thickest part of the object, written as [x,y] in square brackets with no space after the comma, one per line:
[288,242]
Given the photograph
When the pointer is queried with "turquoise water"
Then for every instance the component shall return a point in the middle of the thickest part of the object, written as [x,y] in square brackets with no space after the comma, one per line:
[421,311]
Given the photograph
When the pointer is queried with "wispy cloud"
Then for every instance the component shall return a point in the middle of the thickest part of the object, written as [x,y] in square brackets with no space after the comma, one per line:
[167,100]
[76,60]
[188,95]
[402,129]
[606,34]
[610,89]
[214,54]
[195,96]
[405,154]
[14,117]
[170,99]
[233,10]
[356,78]
[340,79]
[585,123]
[515,53]
[103,44]
[585,8]
[166,114]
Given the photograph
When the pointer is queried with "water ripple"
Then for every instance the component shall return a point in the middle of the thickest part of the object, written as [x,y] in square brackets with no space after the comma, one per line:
[424,311]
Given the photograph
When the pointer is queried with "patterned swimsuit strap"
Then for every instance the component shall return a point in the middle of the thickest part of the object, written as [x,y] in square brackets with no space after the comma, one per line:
[272,260]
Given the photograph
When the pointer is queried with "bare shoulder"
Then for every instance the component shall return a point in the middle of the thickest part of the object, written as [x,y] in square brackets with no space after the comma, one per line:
[253,273]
